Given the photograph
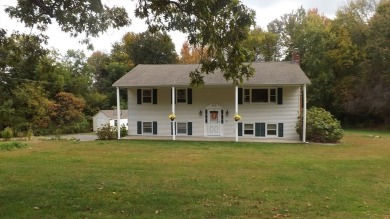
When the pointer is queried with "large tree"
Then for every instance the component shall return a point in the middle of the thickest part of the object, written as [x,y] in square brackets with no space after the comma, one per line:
[263,45]
[76,17]
[147,48]
[369,92]
[222,26]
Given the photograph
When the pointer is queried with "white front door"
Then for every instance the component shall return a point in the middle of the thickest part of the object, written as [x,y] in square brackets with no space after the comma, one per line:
[214,122]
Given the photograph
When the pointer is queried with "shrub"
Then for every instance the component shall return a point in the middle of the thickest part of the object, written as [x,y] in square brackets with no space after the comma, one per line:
[321,126]
[123,130]
[106,132]
[7,133]
[11,146]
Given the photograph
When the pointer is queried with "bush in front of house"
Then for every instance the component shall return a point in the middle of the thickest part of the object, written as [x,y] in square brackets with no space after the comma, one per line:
[106,132]
[123,130]
[321,126]
[8,133]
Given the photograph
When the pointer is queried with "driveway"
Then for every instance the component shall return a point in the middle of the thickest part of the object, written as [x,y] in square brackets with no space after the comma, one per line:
[81,137]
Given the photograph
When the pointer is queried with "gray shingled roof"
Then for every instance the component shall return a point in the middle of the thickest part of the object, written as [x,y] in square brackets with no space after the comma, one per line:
[112,114]
[266,73]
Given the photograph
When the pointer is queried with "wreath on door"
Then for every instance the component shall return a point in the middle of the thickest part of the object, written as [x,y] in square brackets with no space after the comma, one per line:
[214,115]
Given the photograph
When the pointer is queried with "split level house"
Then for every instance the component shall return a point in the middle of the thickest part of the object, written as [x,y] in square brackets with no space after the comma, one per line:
[269,103]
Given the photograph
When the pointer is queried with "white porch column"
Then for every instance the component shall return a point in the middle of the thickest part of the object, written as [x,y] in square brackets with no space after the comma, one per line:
[173,112]
[304,115]
[118,105]
[236,110]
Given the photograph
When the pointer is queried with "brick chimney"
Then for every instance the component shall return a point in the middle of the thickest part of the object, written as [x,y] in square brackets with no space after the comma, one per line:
[295,58]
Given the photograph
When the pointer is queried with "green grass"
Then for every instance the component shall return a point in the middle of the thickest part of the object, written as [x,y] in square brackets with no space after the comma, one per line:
[165,179]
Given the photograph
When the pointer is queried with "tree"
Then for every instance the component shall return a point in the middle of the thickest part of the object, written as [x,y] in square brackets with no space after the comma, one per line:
[355,16]
[90,17]
[262,44]
[371,91]
[190,54]
[149,48]
[32,108]
[67,113]
[222,26]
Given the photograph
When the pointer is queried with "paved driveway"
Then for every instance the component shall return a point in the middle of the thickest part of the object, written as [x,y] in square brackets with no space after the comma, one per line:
[81,137]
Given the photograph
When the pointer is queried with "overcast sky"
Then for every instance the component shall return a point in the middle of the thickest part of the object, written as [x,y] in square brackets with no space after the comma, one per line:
[266,11]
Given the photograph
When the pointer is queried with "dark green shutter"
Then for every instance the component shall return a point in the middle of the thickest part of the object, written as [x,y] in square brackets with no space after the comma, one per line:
[154,96]
[205,116]
[257,129]
[154,128]
[139,96]
[262,129]
[189,128]
[139,127]
[240,97]
[280,96]
[221,116]
[239,129]
[189,96]
[280,129]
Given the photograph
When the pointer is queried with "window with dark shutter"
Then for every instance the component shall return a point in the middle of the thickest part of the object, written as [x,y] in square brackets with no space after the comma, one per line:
[239,129]
[280,96]
[189,94]
[139,96]
[154,96]
[240,93]
[154,128]
[139,127]
[280,129]
[189,127]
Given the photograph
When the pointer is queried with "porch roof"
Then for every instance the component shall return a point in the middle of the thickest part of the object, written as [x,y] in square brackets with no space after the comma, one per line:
[166,75]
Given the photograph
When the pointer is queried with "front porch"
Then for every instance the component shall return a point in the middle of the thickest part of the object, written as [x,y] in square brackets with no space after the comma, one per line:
[204,138]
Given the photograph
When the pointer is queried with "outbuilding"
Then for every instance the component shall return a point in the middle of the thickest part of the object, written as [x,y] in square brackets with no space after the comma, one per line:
[110,117]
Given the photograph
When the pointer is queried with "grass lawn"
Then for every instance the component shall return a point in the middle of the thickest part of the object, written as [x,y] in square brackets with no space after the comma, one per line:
[165,179]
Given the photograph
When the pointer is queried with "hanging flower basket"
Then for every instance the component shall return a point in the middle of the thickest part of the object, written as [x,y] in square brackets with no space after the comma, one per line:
[172,117]
[236,117]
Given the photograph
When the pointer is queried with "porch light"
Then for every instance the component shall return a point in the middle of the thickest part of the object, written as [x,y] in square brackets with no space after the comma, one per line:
[200,112]
[227,112]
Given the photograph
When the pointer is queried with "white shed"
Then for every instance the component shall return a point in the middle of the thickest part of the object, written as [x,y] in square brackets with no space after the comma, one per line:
[109,116]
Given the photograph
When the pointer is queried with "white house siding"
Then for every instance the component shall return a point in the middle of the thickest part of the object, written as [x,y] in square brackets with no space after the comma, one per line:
[99,120]
[286,113]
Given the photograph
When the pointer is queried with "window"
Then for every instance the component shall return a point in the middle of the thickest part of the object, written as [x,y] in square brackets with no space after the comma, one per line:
[263,95]
[272,95]
[115,123]
[147,96]
[181,95]
[182,128]
[247,96]
[248,129]
[271,129]
[259,95]
[147,128]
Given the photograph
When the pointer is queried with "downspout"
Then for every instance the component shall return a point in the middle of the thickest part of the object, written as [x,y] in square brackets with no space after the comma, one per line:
[236,110]
[118,113]
[304,115]
[173,112]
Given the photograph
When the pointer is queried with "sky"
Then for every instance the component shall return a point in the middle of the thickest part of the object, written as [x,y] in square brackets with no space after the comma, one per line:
[266,11]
